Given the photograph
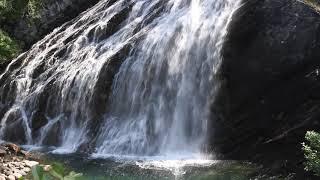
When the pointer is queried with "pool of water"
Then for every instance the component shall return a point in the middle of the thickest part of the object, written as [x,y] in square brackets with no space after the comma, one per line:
[149,168]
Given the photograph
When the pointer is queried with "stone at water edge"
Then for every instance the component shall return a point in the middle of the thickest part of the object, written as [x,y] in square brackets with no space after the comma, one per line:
[26,169]
[11,177]
[47,168]
[17,175]
[24,153]
[13,147]
[19,172]
[30,164]
[2,152]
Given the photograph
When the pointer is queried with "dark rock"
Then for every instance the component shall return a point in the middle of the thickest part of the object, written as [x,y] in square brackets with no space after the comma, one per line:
[24,153]
[13,148]
[52,14]
[270,82]
[2,152]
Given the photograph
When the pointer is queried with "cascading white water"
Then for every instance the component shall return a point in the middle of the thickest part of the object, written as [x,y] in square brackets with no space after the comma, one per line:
[159,103]
[160,99]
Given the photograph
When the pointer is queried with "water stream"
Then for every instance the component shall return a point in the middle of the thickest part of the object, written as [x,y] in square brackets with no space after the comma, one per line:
[127,78]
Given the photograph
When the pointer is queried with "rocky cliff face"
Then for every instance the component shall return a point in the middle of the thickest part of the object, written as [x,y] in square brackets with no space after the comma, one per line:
[270,81]
[52,14]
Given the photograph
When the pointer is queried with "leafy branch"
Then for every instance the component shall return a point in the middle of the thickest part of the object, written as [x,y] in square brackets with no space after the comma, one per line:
[312,152]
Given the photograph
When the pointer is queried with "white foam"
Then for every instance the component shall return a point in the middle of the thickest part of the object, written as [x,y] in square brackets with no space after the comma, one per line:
[175,163]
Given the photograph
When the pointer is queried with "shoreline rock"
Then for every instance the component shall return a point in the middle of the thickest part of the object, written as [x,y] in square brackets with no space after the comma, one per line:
[15,162]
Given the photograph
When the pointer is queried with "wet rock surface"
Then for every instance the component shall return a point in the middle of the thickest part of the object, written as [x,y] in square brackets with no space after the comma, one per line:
[270,84]
[15,162]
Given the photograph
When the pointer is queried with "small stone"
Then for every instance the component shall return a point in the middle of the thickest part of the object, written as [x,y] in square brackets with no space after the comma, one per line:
[26,169]
[7,172]
[3,152]
[30,163]
[24,153]
[17,175]
[47,168]
[11,177]
[19,172]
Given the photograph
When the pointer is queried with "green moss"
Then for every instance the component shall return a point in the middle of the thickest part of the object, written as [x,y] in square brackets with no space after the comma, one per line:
[8,47]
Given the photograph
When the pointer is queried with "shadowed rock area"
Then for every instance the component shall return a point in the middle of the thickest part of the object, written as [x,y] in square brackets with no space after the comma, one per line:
[270,82]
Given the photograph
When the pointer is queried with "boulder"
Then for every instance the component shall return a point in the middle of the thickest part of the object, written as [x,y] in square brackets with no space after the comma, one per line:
[270,82]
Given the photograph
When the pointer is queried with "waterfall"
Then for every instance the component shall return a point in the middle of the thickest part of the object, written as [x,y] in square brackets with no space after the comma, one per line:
[128,77]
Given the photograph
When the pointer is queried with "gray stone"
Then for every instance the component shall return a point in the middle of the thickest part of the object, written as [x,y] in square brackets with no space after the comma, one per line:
[3,152]
[19,172]
[17,175]
[26,169]
[30,163]
[47,168]
[11,177]
[7,172]
[24,153]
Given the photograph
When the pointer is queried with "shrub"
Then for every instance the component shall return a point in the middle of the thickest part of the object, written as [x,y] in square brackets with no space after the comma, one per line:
[312,152]
[56,171]
[12,10]
[8,47]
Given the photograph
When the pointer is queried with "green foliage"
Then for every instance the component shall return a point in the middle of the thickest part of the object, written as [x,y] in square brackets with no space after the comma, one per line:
[12,10]
[8,47]
[34,7]
[312,152]
[56,172]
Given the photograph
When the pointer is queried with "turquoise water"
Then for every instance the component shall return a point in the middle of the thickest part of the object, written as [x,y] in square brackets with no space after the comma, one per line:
[116,168]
